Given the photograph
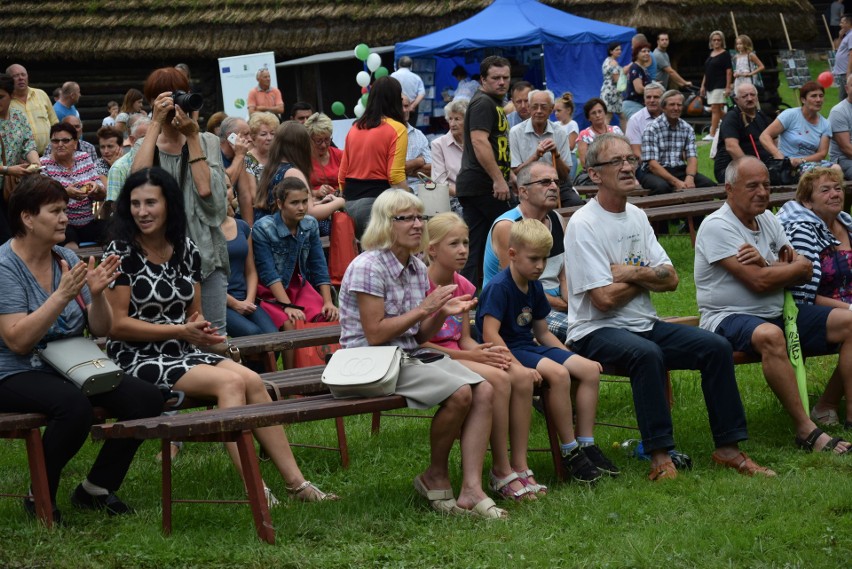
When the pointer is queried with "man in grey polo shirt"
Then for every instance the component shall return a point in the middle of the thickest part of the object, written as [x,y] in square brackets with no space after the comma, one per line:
[844,54]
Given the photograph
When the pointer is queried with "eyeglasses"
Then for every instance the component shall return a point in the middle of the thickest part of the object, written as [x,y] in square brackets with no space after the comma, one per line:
[540,107]
[61,140]
[321,141]
[408,218]
[618,161]
[544,182]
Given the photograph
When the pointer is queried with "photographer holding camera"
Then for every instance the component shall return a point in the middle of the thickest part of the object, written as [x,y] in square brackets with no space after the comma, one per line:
[175,143]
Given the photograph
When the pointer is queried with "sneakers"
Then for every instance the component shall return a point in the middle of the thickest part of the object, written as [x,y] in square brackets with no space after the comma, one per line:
[601,462]
[579,467]
[113,506]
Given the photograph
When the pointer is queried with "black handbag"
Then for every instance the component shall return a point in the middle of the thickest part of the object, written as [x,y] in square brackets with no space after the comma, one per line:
[781,172]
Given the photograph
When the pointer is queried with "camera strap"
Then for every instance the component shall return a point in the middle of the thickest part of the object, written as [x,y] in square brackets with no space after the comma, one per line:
[184,162]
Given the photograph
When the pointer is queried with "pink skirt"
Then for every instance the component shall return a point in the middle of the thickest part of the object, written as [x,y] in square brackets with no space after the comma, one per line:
[300,292]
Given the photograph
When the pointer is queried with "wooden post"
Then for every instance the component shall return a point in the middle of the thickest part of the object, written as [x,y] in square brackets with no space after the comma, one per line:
[828,32]
[786,35]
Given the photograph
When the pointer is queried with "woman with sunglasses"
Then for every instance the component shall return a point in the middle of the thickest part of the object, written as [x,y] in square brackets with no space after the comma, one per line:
[77,173]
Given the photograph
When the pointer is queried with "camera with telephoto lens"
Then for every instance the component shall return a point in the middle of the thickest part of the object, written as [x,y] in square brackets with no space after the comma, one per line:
[188,101]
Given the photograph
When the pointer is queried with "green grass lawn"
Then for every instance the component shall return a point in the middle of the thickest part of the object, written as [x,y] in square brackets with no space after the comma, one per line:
[708,517]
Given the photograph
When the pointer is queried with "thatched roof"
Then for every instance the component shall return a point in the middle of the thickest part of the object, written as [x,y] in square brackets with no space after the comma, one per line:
[38,30]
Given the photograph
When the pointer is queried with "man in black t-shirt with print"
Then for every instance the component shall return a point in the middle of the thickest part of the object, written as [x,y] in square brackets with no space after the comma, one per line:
[482,184]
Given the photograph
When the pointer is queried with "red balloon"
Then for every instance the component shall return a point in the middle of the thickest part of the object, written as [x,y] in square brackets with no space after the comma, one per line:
[826,79]
[363,90]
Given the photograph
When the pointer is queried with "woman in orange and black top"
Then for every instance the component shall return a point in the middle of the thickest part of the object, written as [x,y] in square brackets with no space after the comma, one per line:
[374,157]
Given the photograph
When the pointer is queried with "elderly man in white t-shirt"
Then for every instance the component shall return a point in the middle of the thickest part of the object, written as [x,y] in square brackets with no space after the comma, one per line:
[743,262]
[612,263]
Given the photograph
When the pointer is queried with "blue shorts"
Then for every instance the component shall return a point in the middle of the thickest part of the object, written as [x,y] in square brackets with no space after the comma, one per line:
[529,356]
[811,322]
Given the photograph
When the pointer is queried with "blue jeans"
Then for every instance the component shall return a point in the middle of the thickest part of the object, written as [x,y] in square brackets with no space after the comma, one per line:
[645,356]
[258,322]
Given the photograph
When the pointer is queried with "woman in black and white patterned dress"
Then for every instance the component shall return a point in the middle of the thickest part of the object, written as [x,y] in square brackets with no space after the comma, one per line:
[158,327]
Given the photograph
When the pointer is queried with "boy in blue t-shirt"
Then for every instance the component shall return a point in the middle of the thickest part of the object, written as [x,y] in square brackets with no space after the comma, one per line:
[511,313]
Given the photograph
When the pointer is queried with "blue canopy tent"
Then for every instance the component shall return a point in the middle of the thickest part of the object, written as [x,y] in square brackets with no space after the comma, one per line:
[574,47]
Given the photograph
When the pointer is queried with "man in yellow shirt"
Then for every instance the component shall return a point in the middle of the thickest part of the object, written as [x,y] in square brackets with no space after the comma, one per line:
[35,104]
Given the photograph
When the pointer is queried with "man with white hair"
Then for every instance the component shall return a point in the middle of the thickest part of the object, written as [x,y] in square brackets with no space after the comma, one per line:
[35,104]
[670,159]
[638,122]
[264,97]
[539,140]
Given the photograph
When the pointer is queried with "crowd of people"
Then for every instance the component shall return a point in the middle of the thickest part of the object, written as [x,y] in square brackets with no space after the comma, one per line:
[217,233]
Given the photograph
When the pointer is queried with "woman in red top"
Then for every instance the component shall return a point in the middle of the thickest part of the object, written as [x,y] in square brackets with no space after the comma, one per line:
[325,157]
[374,157]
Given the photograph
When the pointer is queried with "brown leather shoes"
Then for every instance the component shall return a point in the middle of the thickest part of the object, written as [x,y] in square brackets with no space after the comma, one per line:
[665,471]
[744,465]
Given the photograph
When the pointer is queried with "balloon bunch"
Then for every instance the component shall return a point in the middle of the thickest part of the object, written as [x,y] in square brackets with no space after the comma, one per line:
[373,62]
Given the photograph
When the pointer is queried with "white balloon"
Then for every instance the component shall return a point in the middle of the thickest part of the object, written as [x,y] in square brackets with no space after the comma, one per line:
[363,78]
[359,110]
[374,61]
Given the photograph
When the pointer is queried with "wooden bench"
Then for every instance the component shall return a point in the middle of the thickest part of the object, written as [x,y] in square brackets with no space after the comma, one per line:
[27,426]
[235,424]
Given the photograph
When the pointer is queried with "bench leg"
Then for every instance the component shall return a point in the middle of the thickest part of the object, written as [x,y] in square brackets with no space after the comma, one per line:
[377,423]
[254,488]
[270,362]
[342,445]
[552,437]
[167,485]
[38,477]
[669,393]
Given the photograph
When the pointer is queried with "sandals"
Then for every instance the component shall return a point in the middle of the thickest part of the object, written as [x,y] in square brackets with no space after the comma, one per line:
[525,475]
[308,492]
[743,464]
[486,510]
[440,500]
[665,471]
[809,442]
[827,418]
[500,486]
[271,500]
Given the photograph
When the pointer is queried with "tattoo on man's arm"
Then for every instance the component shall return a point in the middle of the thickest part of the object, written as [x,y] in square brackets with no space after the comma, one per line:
[662,273]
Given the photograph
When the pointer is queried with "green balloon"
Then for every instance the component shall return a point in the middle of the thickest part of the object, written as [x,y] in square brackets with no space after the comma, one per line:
[362,52]
[364,99]
[338,108]
[381,72]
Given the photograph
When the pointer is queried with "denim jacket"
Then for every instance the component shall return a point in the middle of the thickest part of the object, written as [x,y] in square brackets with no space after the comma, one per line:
[276,251]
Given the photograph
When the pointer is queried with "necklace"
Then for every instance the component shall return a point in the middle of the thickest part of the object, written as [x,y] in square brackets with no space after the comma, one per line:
[163,254]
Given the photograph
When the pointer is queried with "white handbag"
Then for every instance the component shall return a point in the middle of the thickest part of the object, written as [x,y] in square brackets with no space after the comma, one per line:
[82,362]
[434,195]
[370,371]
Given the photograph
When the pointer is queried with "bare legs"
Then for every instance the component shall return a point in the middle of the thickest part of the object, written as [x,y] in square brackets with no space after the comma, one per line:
[768,340]
[234,385]
[512,413]
[467,411]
